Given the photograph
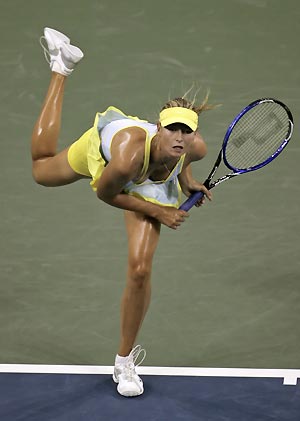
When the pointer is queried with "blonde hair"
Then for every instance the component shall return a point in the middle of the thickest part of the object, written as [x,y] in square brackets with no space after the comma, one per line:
[185,103]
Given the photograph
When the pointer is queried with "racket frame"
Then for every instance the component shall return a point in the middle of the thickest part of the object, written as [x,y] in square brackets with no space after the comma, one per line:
[235,121]
[195,197]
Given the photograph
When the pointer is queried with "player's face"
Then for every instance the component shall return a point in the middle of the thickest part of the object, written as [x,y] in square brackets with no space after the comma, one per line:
[176,138]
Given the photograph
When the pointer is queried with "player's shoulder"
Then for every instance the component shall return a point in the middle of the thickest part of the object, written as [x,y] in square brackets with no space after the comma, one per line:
[129,144]
[133,134]
[197,148]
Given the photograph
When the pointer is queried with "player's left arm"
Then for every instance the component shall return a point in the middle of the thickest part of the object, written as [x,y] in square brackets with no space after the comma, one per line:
[188,183]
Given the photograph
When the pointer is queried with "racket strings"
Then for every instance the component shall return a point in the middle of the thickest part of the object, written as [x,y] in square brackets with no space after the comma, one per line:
[257,135]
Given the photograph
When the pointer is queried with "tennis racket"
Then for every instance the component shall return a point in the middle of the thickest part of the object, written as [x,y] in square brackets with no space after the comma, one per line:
[256,136]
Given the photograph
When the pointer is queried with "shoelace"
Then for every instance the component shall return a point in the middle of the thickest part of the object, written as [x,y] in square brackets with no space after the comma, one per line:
[135,353]
[129,369]
[45,49]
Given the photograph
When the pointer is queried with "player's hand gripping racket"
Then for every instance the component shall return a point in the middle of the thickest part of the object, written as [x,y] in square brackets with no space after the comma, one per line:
[255,137]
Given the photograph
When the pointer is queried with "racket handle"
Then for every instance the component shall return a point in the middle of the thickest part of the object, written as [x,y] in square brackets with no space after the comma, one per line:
[191,201]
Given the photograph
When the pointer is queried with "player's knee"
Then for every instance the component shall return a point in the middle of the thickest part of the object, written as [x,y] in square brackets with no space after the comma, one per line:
[139,274]
[39,177]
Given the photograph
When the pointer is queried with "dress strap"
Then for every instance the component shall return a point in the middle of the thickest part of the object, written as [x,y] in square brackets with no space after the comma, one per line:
[146,158]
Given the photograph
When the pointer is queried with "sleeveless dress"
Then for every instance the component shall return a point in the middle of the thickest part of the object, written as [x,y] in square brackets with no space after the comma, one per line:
[90,154]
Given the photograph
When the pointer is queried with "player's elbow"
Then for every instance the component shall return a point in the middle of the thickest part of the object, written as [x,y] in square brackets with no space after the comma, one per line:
[105,196]
[100,194]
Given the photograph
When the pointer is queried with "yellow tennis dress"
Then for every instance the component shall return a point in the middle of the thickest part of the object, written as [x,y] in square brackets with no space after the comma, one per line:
[91,152]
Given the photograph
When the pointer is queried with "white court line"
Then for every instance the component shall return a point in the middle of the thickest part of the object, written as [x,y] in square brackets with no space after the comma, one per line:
[289,376]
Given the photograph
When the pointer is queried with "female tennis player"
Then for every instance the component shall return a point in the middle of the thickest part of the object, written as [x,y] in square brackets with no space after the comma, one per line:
[133,165]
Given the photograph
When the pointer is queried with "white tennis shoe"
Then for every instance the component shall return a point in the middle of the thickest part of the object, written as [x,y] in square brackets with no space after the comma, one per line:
[129,383]
[59,53]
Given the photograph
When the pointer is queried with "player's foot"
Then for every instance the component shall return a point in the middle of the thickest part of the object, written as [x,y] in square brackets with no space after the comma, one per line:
[60,54]
[129,383]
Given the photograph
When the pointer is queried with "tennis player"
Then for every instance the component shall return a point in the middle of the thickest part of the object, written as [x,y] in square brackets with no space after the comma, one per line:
[132,165]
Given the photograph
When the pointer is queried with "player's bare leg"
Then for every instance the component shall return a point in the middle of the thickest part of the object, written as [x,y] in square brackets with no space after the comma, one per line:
[143,235]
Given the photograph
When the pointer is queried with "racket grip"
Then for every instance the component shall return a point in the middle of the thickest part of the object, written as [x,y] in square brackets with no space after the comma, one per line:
[191,201]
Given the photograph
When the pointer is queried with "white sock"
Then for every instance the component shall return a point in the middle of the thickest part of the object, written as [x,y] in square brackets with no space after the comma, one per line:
[120,360]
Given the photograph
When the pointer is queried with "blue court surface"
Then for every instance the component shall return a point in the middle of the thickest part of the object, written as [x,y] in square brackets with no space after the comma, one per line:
[58,396]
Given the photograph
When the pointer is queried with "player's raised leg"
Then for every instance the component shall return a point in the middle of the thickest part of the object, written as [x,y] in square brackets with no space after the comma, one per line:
[49,167]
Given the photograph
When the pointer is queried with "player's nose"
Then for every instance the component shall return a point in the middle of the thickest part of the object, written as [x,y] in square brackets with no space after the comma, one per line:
[179,135]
